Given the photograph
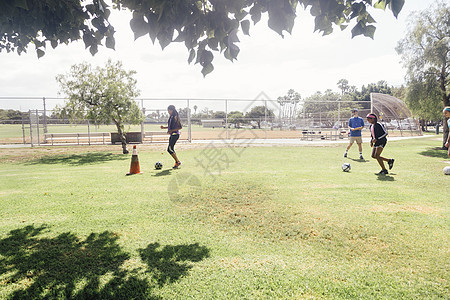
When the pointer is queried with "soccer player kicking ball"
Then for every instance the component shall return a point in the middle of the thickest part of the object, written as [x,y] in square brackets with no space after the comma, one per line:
[378,142]
[356,124]
[173,129]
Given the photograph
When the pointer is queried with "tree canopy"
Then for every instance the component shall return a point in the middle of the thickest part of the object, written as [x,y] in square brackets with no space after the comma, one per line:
[10,114]
[289,105]
[257,113]
[103,95]
[425,51]
[203,26]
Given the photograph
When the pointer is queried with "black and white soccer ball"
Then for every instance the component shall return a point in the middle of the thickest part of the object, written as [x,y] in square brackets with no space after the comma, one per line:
[446,170]
[346,167]
[158,165]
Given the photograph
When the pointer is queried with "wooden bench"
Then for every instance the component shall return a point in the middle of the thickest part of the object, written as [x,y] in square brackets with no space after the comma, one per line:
[151,134]
[76,136]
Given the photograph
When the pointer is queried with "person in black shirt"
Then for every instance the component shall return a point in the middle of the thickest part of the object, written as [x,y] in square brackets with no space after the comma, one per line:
[173,129]
[378,142]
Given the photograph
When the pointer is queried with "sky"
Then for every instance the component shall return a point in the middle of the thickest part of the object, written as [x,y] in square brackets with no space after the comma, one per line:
[305,61]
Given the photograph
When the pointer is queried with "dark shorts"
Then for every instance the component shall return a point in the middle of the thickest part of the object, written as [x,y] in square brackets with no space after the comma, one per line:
[172,140]
[380,143]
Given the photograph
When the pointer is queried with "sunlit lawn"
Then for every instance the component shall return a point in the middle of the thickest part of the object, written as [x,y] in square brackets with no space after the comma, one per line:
[258,223]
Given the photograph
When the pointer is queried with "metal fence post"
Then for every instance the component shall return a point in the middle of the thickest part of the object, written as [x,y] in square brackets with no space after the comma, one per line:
[89,133]
[31,128]
[265,119]
[371,103]
[226,119]
[142,124]
[23,129]
[45,116]
[339,114]
[37,126]
[189,121]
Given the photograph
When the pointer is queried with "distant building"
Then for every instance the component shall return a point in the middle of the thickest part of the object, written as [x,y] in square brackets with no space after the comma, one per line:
[213,123]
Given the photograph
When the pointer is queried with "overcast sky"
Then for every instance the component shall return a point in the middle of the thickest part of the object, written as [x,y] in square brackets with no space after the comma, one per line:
[304,61]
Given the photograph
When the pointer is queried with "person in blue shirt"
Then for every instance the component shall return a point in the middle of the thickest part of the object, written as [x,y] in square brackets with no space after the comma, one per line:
[356,124]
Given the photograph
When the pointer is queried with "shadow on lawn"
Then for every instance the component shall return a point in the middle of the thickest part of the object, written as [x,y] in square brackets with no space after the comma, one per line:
[385,177]
[359,160]
[66,266]
[163,173]
[435,152]
[79,159]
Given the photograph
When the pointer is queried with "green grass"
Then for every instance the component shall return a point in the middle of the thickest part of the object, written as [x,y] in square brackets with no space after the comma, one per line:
[15,131]
[8,131]
[261,223]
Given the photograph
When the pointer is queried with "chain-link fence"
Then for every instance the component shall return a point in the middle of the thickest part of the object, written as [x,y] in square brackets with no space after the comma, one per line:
[209,119]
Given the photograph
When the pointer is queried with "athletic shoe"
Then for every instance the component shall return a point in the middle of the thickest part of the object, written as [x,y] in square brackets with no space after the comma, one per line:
[383,172]
[345,154]
[361,157]
[177,165]
[391,163]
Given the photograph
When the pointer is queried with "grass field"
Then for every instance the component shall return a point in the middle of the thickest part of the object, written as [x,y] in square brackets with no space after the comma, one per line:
[257,223]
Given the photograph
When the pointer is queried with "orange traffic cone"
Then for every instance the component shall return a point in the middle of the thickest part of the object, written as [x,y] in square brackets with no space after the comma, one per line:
[134,168]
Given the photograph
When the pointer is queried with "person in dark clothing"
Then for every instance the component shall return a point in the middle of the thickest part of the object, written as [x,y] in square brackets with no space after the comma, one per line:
[446,112]
[173,129]
[378,142]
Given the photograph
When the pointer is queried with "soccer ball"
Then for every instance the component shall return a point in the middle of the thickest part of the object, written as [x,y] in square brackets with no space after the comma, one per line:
[447,170]
[158,165]
[346,167]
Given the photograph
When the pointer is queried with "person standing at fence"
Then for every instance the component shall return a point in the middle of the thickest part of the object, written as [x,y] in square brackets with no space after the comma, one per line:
[356,124]
[446,112]
[173,129]
[378,142]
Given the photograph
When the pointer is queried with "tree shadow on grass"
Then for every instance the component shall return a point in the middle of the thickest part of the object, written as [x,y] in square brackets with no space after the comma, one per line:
[78,159]
[68,267]
[171,262]
[435,152]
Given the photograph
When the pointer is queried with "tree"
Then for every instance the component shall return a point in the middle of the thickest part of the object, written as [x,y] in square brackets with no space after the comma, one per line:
[206,113]
[429,106]
[203,26]
[259,112]
[10,115]
[399,92]
[288,105]
[219,115]
[195,109]
[183,112]
[343,86]
[426,55]
[236,118]
[103,95]
[364,95]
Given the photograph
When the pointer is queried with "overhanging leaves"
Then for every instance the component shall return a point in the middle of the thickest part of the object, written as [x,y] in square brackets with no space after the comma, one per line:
[212,24]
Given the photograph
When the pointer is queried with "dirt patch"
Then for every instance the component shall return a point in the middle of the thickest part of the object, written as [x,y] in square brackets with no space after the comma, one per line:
[392,207]
[253,209]
[245,206]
